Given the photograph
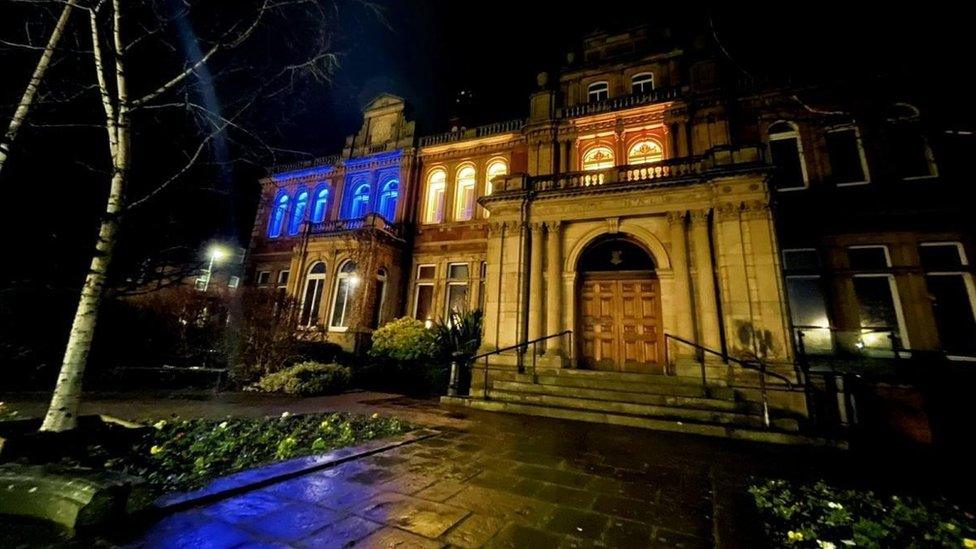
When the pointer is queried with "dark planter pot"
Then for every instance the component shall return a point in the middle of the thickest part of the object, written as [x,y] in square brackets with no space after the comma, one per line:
[21,440]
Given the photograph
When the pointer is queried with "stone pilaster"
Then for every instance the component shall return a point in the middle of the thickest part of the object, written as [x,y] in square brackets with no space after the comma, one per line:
[683,315]
[493,273]
[535,281]
[707,300]
[554,295]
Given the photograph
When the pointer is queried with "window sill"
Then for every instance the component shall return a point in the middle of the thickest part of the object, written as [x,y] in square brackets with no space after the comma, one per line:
[790,189]
[338,329]
[852,184]
[920,177]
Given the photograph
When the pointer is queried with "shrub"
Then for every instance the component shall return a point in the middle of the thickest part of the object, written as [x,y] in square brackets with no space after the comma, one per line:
[403,339]
[460,338]
[818,515]
[307,379]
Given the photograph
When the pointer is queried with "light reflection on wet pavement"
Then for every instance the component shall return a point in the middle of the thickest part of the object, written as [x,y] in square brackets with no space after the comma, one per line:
[505,481]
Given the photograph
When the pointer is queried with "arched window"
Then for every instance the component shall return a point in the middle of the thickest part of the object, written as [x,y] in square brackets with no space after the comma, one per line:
[359,205]
[348,281]
[464,194]
[598,158]
[312,296]
[598,91]
[388,199]
[298,211]
[642,83]
[436,187]
[644,151]
[320,206]
[786,153]
[495,169]
[278,215]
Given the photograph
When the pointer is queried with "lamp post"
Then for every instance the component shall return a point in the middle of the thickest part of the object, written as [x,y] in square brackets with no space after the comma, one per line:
[216,253]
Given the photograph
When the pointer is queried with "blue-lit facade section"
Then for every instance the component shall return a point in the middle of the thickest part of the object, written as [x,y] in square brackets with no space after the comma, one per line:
[369,184]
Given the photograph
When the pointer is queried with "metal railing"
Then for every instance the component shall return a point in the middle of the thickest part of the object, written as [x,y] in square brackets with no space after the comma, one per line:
[618,103]
[521,350]
[755,365]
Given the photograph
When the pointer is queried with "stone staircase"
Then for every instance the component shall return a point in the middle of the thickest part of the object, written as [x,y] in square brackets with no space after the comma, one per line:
[665,403]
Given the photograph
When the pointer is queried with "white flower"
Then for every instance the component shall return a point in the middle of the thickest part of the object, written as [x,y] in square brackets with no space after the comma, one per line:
[826,544]
[160,424]
[834,505]
[223,425]
[284,415]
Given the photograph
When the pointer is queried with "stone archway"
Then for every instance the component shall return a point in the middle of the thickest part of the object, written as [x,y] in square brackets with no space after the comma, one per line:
[618,296]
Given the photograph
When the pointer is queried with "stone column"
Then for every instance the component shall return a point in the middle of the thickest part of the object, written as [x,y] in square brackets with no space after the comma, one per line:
[684,326]
[554,295]
[535,282]
[707,300]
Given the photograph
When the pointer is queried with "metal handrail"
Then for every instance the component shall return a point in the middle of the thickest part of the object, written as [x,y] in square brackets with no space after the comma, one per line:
[520,361]
[761,368]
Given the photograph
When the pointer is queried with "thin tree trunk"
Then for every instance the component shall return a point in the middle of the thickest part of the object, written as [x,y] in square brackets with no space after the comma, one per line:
[63,411]
[23,108]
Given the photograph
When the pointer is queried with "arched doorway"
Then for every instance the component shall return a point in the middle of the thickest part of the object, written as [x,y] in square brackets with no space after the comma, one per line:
[619,319]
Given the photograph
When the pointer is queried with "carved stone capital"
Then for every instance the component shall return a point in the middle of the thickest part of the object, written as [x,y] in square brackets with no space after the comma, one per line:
[700,216]
[728,211]
[613,225]
[495,228]
[553,226]
[677,217]
[755,209]
[536,227]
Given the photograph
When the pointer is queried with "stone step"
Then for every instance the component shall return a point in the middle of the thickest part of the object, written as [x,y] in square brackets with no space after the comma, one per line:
[625,376]
[646,410]
[724,431]
[664,385]
[699,402]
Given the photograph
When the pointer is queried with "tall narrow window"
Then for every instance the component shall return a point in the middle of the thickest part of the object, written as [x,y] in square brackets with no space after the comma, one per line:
[436,188]
[312,296]
[347,282]
[495,169]
[644,151]
[380,297]
[423,303]
[388,199]
[298,212]
[789,170]
[642,83]
[598,158]
[808,305]
[457,289]
[879,307]
[848,165]
[278,216]
[320,207]
[597,91]
[359,204]
[464,194]
[953,294]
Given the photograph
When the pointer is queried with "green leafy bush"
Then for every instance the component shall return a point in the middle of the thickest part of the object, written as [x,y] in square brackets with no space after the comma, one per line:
[824,516]
[307,379]
[460,336]
[403,339]
[186,454]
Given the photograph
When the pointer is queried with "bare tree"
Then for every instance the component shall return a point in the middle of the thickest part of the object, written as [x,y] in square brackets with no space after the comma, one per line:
[119,31]
[30,92]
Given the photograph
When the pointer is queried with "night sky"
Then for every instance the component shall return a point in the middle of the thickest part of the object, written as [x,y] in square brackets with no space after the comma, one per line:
[425,51]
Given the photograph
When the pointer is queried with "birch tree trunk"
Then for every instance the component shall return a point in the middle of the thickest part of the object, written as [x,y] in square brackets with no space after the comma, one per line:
[62,413]
[23,108]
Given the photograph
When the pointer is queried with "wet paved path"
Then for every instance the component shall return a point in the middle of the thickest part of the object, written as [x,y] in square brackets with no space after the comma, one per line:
[503,481]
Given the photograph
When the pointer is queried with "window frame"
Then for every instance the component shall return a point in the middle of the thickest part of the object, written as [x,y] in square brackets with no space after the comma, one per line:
[323,188]
[265,275]
[284,273]
[313,319]
[279,208]
[471,182]
[591,91]
[299,211]
[430,207]
[341,276]
[592,149]
[456,282]
[859,143]
[389,190]
[357,198]
[967,278]
[636,142]
[783,136]
[634,82]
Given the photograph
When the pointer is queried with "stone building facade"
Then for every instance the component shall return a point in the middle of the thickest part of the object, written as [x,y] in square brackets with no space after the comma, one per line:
[669,216]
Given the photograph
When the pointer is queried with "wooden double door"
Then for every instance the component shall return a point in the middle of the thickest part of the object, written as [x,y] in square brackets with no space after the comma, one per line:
[620,323]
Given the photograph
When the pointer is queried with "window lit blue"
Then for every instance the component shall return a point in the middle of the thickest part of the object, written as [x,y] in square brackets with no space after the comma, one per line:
[277,217]
[388,199]
[321,205]
[298,213]
[359,205]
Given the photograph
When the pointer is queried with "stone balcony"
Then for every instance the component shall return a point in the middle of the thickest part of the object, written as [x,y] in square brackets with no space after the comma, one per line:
[619,103]
[508,126]
[372,222]
[673,171]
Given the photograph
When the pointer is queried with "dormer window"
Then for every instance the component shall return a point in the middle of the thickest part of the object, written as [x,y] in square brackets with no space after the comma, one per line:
[642,83]
[598,91]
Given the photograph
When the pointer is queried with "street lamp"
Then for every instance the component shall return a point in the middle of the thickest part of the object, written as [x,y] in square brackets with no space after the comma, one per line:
[216,253]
